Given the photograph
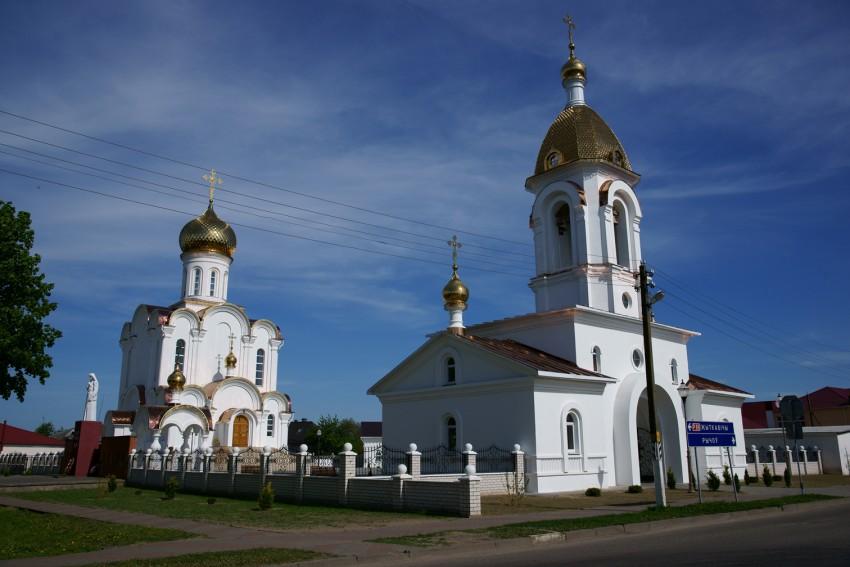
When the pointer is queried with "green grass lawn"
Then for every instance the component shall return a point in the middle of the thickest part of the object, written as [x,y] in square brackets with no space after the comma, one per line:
[32,534]
[230,511]
[242,558]
[525,529]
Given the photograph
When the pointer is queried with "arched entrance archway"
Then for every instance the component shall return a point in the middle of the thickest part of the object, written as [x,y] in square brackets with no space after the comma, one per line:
[241,427]
[632,440]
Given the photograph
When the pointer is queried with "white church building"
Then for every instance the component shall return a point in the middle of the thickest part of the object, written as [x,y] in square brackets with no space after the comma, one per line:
[201,373]
[567,382]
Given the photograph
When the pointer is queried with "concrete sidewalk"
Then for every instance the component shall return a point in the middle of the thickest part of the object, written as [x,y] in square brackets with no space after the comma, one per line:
[347,542]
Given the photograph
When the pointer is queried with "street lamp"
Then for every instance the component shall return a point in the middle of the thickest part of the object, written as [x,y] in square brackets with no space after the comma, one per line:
[684,390]
[319,441]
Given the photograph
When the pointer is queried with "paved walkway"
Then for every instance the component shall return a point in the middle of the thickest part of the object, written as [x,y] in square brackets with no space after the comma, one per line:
[17,482]
[349,542]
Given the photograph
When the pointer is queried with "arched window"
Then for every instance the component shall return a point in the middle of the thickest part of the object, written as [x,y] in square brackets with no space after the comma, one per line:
[674,371]
[270,426]
[564,237]
[573,434]
[621,234]
[451,433]
[261,367]
[450,370]
[180,353]
[196,281]
[213,278]
[597,359]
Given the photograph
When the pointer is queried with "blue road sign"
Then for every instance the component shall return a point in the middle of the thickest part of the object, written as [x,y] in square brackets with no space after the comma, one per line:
[711,434]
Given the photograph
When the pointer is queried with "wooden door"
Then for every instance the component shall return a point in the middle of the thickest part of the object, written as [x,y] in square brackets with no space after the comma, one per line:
[240,431]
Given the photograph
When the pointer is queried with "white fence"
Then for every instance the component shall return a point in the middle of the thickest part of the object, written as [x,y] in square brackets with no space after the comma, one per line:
[39,463]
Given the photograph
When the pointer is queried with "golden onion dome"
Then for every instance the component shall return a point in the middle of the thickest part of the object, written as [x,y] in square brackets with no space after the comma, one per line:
[578,133]
[455,292]
[208,233]
[574,69]
[176,380]
[230,360]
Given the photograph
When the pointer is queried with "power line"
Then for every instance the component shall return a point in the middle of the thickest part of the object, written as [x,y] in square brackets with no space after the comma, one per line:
[182,194]
[254,182]
[753,346]
[247,195]
[744,318]
[252,227]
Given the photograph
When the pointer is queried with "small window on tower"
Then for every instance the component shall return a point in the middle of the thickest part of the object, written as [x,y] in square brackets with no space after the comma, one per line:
[451,433]
[637,358]
[674,371]
[261,367]
[451,370]
[270,426]
[180,353]
[213,279]
[196,281]
[597,359]
[553,160]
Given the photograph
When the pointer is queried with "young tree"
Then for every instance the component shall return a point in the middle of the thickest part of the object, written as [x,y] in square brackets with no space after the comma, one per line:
[24,304]
[47,429]
[335,433]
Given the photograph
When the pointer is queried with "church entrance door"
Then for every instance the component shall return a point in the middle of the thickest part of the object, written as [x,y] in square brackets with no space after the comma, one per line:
[240,431]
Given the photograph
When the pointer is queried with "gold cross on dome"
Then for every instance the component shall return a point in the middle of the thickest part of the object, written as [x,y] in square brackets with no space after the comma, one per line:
[456,245]
[213,179]
[571,26]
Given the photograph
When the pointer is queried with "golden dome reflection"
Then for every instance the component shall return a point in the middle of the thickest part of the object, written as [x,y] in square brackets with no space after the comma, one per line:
[208,233]
[176,380]
[455,293]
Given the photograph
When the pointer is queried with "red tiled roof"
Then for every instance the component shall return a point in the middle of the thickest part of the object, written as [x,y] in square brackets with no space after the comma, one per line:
[529,356]
[371,428]
[700,383]
[12,435]
[828,397]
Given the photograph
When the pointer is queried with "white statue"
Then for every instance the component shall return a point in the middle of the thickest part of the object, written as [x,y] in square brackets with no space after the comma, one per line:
[91,399]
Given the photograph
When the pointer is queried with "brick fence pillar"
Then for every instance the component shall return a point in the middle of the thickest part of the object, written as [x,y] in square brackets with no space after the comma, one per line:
[470,494]
[397,496]
[771,452]
[347,470]
[804,454]
[470,457]
[788,457]
[756,463]
[413,461]
[131,462]
[519,465]
[819,459]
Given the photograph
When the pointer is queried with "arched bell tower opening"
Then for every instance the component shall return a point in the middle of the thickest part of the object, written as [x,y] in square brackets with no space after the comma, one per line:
[563,237]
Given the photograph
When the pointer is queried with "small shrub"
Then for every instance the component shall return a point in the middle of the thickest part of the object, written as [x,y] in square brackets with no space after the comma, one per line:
[593,492]
[6,471]
[210,501]
[727,478]
[111,483]
[171,487]
[634,489]
[712,481]
[766,476]
[777,478]
[747,479]
[671,479]
[787,477]
[28,472]
[266,498]
[737,483]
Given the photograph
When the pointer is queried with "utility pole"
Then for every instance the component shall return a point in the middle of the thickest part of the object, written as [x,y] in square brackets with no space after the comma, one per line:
[646,303]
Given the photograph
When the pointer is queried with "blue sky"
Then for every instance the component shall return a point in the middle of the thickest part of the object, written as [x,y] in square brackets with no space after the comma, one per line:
[736,115]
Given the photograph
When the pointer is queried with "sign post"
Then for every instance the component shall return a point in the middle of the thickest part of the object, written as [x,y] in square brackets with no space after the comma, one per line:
[713,434]
[791,408]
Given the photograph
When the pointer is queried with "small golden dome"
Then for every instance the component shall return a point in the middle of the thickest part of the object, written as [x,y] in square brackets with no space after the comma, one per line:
[230,360]
[208,233]
[176,380]
[455,292]
[574,69]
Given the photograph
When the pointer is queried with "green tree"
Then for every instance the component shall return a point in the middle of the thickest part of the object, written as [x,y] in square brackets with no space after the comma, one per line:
[24,304]
[46,429]
[335,433]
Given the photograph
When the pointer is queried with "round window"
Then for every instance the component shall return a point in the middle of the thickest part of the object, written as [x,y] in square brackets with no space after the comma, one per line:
[627,300]
[637,358]
[553,159]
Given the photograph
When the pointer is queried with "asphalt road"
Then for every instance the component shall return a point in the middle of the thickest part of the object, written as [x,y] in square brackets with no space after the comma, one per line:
[815,534]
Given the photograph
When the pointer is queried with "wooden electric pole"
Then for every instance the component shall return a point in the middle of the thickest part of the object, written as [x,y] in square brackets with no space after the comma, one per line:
[657,455]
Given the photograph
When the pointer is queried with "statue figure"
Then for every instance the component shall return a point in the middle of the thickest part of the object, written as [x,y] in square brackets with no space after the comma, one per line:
[91,399]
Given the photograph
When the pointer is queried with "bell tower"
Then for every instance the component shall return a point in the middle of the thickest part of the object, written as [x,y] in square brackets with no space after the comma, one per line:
[586,215]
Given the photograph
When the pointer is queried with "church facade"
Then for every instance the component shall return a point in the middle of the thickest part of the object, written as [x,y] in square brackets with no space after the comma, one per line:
[567,382]
[201,373]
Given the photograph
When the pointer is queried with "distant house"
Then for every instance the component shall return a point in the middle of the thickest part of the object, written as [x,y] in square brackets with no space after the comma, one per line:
[298,431]
[824,407]
[16,440]
[372,435]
